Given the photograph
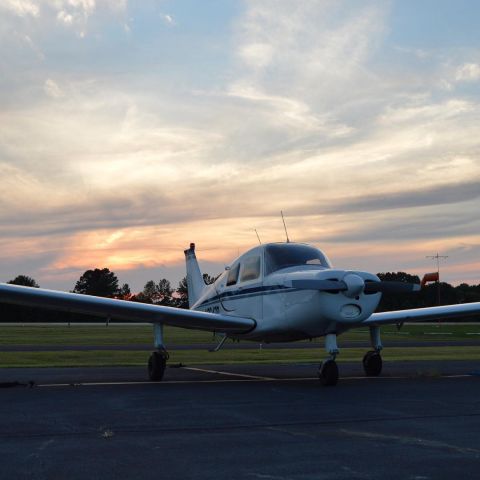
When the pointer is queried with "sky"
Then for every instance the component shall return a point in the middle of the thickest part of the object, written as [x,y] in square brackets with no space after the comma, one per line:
[129,129]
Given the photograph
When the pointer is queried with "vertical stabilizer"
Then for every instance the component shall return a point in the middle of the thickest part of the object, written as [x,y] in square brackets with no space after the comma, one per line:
[195,282]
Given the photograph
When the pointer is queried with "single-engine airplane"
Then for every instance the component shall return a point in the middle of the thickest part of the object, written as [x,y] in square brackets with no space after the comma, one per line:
[275,292]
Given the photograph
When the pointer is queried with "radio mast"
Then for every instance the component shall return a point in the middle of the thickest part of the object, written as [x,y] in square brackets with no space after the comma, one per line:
[437,258]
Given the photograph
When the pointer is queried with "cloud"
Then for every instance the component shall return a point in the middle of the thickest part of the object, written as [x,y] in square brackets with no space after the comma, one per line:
[468,72]
[257,55]
[449,193]
[433,111]
[168,19]
[77,15]
[52,89]
[307,42]
[74,13]
[291,113]
[21,8]
[74,8]
[65,17]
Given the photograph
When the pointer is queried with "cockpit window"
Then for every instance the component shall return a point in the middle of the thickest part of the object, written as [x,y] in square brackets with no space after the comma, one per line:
[233,275]
[290,255]
[251,269]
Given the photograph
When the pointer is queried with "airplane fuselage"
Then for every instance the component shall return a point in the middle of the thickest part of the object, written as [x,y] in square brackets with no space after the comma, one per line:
[249,288]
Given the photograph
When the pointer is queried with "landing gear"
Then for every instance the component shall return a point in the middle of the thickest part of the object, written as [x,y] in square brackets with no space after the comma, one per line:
[372,361]
[158,359]
[328,371]
[372,364]
[156,365]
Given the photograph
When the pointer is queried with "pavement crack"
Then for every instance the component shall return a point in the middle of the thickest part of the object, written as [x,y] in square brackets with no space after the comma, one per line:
[416,441]
[292,433]
[285,426]
[45,444]
[267,477]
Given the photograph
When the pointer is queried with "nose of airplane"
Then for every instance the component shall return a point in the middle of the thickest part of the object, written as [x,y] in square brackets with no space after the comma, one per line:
[355,285]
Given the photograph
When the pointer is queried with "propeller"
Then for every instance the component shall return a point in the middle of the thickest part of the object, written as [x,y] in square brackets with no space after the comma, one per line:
[391,287]
[334,286]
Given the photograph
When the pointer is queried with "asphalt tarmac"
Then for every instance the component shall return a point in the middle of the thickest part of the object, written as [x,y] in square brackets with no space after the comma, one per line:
[420,420]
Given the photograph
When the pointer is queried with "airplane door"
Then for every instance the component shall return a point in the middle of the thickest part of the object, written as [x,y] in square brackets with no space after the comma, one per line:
[242,294]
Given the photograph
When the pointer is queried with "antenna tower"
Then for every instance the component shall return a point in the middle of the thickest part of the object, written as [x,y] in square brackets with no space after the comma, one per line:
[437,258]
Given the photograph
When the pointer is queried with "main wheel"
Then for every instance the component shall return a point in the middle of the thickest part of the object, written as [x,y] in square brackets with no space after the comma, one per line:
[328,373]
[156,365]
[372,364]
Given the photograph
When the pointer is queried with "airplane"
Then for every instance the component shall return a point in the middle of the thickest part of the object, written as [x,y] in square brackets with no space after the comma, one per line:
[275,292]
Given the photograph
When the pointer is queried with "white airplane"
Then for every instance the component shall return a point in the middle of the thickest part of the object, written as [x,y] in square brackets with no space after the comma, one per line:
[276,292]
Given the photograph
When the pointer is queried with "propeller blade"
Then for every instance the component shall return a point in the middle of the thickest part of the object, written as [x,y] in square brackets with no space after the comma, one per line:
[322,285]
[391,287]
[370,287]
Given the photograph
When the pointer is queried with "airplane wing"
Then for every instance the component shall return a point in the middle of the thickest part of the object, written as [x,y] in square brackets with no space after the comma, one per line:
[123,310]
[423,314]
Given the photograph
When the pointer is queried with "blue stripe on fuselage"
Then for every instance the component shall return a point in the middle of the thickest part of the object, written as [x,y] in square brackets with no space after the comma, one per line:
[245,293]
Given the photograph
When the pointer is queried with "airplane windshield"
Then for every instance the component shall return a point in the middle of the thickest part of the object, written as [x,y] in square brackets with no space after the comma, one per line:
[290,255]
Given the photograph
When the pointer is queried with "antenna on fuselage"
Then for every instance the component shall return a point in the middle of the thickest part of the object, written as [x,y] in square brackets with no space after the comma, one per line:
[284,226]
[258,236]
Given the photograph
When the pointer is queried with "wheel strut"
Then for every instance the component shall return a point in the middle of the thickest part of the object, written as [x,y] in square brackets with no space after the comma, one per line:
[328,371]
[158,359]
[372,361]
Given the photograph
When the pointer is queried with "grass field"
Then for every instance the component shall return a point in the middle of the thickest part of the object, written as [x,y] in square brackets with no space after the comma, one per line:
[100,335]
[79,334]
[134,358]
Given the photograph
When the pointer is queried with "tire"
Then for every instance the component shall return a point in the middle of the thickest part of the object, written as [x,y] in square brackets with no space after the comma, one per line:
[328,373]
[156,366]
[372,364]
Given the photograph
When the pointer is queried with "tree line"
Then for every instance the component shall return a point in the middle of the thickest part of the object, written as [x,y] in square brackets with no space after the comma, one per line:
[104,283]
[428,296]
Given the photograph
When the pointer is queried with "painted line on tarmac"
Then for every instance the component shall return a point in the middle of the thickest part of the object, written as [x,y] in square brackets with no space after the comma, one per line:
[239,380]
[176,382]
[220,372]
[91,384]
[407,377]
[168,382]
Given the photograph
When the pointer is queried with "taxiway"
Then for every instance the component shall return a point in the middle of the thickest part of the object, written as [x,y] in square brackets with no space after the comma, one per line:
[420,420]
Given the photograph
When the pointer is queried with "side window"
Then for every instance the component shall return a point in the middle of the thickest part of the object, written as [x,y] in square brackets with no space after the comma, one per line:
[251,269]
[233,275]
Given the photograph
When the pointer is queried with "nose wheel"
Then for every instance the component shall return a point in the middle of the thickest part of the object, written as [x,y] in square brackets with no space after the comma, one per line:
[372,364]
[328,373]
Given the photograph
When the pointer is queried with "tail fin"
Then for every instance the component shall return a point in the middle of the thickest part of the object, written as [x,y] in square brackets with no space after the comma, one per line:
[195,282]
